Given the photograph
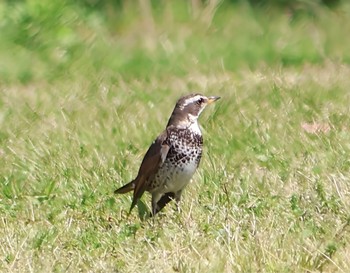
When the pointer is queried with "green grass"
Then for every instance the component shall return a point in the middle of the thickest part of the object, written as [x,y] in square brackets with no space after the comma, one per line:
[85,91]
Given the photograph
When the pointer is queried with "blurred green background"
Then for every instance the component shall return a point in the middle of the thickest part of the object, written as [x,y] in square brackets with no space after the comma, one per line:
[42,39]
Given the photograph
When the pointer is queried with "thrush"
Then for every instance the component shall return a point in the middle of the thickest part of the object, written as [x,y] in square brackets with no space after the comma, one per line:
[173,157]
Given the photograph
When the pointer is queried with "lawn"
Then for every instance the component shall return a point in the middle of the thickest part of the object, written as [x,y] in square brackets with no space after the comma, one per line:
[86,87]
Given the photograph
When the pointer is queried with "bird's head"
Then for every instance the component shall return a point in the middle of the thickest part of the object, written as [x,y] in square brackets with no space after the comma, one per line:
[188,109]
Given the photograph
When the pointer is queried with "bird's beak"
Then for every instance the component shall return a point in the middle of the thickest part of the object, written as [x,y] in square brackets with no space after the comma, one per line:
[212,99]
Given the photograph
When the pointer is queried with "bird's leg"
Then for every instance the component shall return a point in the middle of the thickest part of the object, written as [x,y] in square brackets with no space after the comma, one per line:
[155,198]
[178,199]
[159,204]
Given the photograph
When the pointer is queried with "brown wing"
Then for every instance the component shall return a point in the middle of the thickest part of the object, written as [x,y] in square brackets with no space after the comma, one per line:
[153,159]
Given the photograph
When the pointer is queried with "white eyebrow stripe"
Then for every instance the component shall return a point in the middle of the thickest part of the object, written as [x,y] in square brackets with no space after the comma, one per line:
[191,100]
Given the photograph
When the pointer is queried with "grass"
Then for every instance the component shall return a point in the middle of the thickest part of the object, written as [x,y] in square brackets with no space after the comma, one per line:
[84,92]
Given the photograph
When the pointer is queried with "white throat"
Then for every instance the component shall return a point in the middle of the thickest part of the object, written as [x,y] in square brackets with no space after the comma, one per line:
[194,126]
[190,123]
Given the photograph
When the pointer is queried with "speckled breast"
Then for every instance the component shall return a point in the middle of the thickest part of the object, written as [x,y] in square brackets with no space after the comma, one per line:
[181,162]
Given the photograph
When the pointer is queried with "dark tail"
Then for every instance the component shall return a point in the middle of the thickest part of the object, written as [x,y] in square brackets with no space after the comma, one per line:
[126,188]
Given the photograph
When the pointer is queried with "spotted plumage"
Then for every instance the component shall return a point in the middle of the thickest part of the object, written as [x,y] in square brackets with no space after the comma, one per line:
[173,157]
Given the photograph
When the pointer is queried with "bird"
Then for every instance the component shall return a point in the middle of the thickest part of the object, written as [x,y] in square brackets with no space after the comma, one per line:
[173,157]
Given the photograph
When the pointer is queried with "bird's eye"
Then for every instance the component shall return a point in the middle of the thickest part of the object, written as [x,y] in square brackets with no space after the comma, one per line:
[200,101]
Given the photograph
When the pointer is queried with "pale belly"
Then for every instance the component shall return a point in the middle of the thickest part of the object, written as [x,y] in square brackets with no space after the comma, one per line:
[174,177]
[180,177]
